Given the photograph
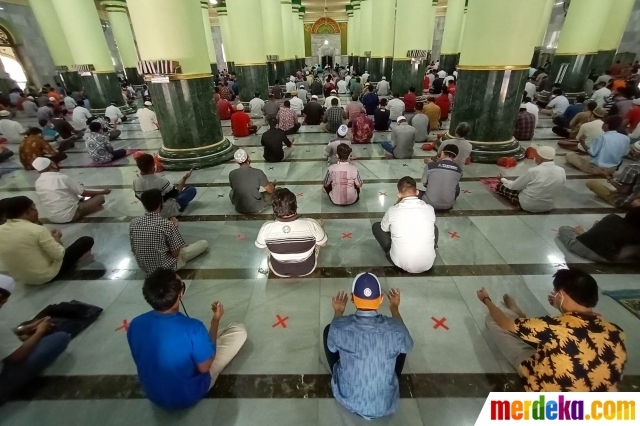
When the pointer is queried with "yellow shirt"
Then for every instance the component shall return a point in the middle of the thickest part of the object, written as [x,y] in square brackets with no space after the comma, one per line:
[29,252]
[433,112]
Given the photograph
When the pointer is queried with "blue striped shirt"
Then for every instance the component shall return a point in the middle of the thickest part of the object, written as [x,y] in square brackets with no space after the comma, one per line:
[364,380]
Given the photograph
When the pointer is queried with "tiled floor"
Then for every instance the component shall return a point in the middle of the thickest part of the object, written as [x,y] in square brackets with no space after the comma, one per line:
[494,245]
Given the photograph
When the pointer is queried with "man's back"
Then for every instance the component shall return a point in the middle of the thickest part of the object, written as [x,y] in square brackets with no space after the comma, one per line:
[383,88]
[542,184]
[410,100]
[256,105]
[402,138]
[381,118]
[607,150]
[152,240]
[147,119]
[525,126]
[240,124]
[167,349]
[370,102]
[464,150]
[433,112]
[364,380]
[313,113]
[271,109]
[245,183]
[334,118]
[442,178]
[396,108]
[224,109]
[296,105]
[420,122]
[59,194]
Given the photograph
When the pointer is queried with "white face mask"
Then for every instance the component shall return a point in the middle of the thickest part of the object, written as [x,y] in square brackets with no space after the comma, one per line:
[558,305]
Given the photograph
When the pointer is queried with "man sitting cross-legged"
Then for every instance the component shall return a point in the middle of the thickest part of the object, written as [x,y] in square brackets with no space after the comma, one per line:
[156,242]
[366,351]
[292,242]
[175,198]
[177,358]
[626,187]
[441,179]
[63,197]
[578,351]
[343,181]
[407,233]
[273,140]
[241,124]
[245,184]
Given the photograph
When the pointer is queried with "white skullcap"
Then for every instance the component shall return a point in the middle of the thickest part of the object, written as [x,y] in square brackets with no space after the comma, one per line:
[240,107]
[384,78]
[7,283]
[314,97]
[636,101]
[52,99]
[342,130]
[30,98]
[41,163]
[523,106]
[546,152]
[148,103]
[4,113]
[636,146]
[401,118]
[240,156]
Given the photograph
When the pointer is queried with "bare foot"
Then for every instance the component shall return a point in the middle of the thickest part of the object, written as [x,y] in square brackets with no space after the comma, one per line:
[513,306]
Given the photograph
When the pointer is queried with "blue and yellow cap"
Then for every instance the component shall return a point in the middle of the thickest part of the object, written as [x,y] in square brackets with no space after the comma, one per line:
[367,292]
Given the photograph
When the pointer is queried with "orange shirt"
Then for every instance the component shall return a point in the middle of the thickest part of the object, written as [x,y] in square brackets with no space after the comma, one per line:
[619,83]
[33,147]
[53,94]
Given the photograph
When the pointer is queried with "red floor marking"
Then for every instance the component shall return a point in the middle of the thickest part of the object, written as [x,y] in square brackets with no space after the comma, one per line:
[454,235]
[240,237]
[466,191]
[347,235]
[125,326]
[383,193]
[440,323]
[300,194]
[281,321]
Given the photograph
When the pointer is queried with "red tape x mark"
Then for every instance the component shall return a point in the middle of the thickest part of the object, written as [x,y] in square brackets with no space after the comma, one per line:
[454,235]
[440,323]
[281,321]
[347,235]
[240,237]
[124,326]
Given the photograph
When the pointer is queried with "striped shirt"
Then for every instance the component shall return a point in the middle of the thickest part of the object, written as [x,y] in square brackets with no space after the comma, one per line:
[291,243]
[343,178]
[364,380]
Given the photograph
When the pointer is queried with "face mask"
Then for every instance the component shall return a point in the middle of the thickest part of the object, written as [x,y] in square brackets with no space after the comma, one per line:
[558,305]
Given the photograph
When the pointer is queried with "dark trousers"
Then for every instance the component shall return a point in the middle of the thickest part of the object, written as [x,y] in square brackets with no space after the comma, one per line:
[114,134]
[560,131]
[57,158]
[118,154]
[293,130]
[334,357]
[66,145]
[5,155]
[384,238]
[73,253]
[560,121]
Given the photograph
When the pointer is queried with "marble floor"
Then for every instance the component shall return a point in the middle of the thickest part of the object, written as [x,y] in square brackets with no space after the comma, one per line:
[280,377]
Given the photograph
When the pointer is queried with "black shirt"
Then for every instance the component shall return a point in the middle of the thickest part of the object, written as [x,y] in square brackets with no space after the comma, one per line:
[437,86]
[316,88]
[277,91]
[63,127]
[272,141]
[313,112]
[381,119]
[608,237]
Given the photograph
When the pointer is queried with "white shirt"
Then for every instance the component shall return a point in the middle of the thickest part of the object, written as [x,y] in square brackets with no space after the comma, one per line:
[59,195]
[290,86]
[411,223]
[599,95]
[382,88]
[591,130]
[114,114]
[538,187]
[347,78]
[533,109]
[559,104]
[69,103]
[256,105]
[442,74]
[9,342]
[365,78]
[11,130]
[296,104]
[327,102]
[396,108]
[530,88]
[148,120]
[79,117]
[603,78]
[342,86]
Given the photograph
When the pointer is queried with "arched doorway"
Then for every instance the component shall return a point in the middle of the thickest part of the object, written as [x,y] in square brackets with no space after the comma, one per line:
[11,70]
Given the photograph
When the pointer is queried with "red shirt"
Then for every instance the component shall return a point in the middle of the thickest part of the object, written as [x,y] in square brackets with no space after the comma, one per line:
[445,106]
[240,124]
[452,89]
[224,109]
[426,83]
[634,117]
[410,100]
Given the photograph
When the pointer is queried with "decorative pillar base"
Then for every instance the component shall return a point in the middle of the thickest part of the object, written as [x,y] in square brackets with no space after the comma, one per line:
[535,60]
[71,81]
[102,88]
[448,62]
[214,69]
[571,71]
[603,61]
[191,131]
[406,74]
[380,67]
[252,79]
[134,77]
[489,101]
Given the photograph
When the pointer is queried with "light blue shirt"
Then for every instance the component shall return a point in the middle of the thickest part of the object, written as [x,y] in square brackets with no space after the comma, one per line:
[364,380]
[608,149]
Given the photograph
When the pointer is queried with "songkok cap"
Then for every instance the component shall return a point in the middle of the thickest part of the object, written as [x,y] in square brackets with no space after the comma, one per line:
[342,130]
[240,156]
[599,112]
[636,101]
[41,163]
[367,292]
[401,118]
[7,283]
[148,103]
[546,152]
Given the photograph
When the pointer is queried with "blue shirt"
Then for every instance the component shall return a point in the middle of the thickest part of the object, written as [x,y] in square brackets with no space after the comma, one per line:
[607,150]
[167,349]
[572,111]
[370,102]
[364,380]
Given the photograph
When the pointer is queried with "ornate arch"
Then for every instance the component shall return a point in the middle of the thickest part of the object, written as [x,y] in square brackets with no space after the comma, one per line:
[325,26]
[5,38]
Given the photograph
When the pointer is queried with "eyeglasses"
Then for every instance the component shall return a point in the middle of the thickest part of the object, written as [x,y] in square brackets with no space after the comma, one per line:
[184,290]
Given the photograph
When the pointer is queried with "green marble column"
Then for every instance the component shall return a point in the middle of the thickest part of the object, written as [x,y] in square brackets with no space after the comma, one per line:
[191,131]
[379,67]
[101,89]
[279,71]
[133,76]
[364,65]
[449,62]
[231,67]
[289,70]
[536,56]
[603,61]
[489,101]
[272,72]
[571,71]
[70,80]
[252,79]
[406,74]
[214,69]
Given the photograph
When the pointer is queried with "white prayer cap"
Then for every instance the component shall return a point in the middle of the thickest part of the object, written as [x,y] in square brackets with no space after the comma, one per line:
[523,106]
[384,78]
[401,118]
[4,113]
[240,156]
[314,97]
[636,146]
[333,91]
[546,152]
[30,98]
[240,107]
[148,103]
[52,99]
[636,101]
[41,163]
[342,130]
[292,78]
[7,283]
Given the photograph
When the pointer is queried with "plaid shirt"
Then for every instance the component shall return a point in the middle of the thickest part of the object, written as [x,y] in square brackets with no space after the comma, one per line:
[152,241]
[287,118]
[334,117]
[525,126]
[225,93]
[630,176]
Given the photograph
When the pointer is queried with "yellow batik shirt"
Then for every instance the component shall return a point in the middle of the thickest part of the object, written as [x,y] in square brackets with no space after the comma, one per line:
[574,353]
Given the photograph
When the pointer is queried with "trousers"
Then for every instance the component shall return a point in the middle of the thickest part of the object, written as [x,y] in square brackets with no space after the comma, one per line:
[89,206]
[186,196]
[73,253]
[191,251]
[567,235]
[228,344]
[512,347]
